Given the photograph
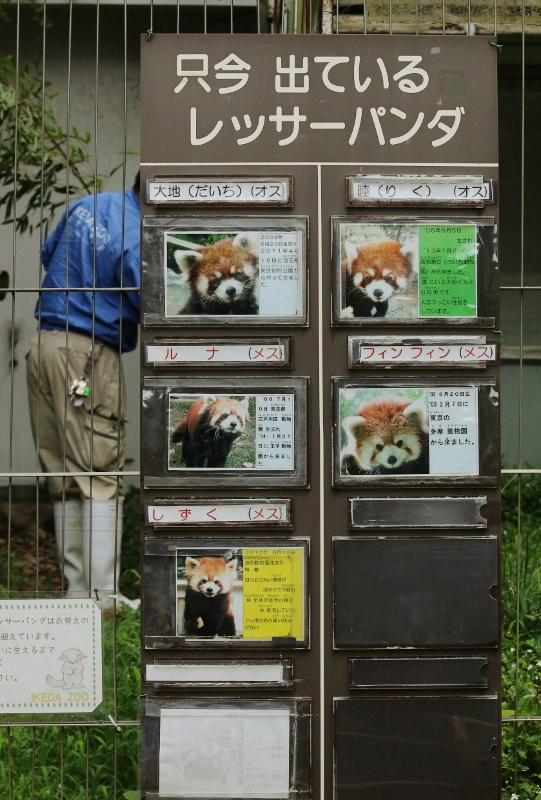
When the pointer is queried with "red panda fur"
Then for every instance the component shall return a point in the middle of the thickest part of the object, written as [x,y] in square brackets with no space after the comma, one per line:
[371,274]
[208,609]
[388,435]
[209,430]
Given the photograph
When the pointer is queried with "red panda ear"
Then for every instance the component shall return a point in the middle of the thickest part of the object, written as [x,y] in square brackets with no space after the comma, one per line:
[232,565]
[186,259]
[208,400]
[417,414]
[409,251]
[353,425]
[191,563]
[247,241]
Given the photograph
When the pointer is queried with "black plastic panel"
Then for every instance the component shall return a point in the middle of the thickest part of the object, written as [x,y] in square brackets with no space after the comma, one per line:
[413,748]
[413,592]
[417,512]
[419,672]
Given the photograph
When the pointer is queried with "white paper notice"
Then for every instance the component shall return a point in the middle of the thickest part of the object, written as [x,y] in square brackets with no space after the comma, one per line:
[196,672]
[50,656]
[275,431]
[279,284]
[454,437]
[226,752]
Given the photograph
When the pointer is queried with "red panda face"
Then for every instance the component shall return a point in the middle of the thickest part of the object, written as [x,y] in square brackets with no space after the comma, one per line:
[226,414]
[378,269]
[211,576]
[387,433]
[224,271]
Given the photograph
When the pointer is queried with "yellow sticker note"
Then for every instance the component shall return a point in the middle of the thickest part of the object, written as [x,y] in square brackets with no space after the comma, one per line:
[273,590]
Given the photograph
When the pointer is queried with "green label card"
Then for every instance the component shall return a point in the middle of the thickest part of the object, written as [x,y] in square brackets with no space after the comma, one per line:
[447,270]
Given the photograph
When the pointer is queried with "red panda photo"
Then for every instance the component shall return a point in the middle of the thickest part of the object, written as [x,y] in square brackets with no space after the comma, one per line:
[222,277]
[208,609]
[210,428]
[372,272]
[388,436]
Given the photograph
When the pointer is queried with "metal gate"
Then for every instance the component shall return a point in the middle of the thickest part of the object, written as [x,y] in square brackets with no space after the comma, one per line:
[69,111]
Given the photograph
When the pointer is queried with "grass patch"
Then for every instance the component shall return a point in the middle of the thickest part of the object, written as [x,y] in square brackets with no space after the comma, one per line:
[521,635]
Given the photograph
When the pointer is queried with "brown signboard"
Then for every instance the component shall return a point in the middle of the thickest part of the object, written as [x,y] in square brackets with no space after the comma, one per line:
[307,99]
[320,228]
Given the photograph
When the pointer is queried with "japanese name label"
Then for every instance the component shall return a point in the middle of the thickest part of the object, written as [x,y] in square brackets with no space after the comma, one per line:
[233,191]
[271,104]
[219,512]
[50,656]
[418,190]
[426,351]
[213,352]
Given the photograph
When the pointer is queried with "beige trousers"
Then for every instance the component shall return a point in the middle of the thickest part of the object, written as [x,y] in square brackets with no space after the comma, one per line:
[77,439]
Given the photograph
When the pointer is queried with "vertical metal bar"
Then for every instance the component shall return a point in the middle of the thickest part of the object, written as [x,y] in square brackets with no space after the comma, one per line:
[519,570]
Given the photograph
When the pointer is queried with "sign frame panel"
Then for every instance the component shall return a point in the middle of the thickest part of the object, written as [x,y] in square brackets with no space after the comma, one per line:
[378,282]
[397,352]
[190,277]
[159,393]
[486,422]
[164,625]
[298,733]
[418,191]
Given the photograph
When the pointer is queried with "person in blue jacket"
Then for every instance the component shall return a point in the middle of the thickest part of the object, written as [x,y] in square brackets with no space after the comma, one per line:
[88,314]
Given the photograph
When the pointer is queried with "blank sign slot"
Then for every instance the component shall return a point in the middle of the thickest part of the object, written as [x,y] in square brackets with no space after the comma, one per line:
[416,748]
[415,592]
[417,673]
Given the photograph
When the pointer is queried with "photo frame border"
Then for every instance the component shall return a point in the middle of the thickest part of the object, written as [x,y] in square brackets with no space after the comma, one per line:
[155,424]
[153,281]
[160,579]
[487,273]
[487,425]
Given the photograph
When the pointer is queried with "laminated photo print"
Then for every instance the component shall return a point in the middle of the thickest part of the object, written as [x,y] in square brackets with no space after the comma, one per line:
[246,593]
[406,271]
[236,273]
[220,432]
[409,431]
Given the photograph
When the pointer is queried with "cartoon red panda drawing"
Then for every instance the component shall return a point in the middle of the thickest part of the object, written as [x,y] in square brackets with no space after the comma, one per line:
[207,609]
[212,425]
[387,437]
[371,273]
[222,276]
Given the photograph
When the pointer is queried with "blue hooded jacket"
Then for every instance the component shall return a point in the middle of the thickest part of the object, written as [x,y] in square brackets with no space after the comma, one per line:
[71,260]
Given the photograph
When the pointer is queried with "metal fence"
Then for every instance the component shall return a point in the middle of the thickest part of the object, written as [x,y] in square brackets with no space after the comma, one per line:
[69,114]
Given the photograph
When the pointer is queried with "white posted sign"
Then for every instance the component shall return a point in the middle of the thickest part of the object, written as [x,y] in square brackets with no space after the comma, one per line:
[50,656]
